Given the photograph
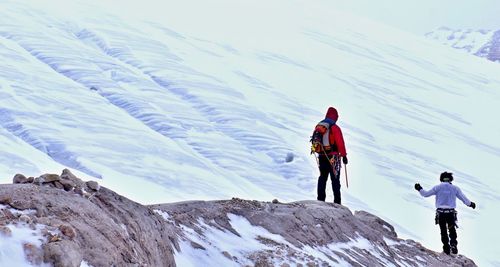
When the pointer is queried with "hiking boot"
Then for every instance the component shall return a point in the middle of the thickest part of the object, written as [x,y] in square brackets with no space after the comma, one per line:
[454,249]
[446,249]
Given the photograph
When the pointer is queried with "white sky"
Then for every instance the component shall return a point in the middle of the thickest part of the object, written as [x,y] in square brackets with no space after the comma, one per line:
[426,15]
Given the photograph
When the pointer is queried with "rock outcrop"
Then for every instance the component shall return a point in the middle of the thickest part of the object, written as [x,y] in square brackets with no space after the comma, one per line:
[304,233]
[88,222]
[83,221]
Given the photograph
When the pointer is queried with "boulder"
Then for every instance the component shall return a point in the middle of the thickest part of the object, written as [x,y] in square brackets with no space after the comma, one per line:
[58,185]
[25,219]
[110,230]
[33,253]
[19,179]
[67,230]
[63,253]
[48,177]
[67,175]
[92,185]
[5,231]
[67,184]
[38,180]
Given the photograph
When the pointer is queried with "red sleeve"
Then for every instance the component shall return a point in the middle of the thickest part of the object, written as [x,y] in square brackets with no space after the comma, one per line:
[339,140]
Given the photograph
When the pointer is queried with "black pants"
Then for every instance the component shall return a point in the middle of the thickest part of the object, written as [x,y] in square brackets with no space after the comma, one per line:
[325,169]
[447,223]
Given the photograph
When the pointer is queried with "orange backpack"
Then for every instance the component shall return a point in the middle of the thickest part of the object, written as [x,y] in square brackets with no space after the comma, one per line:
[320,140]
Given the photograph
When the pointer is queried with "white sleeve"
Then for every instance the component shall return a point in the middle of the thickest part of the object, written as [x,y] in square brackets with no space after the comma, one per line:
[429,193]
[462,197]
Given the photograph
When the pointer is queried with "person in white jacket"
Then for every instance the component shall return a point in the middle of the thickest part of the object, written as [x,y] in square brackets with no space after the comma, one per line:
[446,216]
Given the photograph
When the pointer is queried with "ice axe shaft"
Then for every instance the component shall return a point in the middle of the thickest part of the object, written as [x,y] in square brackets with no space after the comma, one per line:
[346,181]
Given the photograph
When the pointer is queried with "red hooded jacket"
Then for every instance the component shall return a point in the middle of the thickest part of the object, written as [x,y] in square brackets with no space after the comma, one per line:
[335,133]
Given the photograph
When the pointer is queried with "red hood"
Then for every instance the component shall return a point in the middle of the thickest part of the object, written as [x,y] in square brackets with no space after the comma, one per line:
[332,114]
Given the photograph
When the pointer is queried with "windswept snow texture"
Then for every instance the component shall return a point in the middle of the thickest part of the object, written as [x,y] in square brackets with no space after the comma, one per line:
[195,100]
[224,248]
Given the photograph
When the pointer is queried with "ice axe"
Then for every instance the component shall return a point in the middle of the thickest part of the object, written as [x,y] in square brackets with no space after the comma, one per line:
[345,170]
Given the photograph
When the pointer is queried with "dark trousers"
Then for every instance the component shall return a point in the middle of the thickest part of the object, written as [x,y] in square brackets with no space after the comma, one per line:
[325,169]
[447,224]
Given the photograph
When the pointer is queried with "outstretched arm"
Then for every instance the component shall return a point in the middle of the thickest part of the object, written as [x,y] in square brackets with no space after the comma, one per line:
[429,193]
[462,197]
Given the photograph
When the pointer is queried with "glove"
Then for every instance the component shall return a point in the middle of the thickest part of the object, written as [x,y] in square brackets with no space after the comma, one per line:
[344,159]
[418,187]
[472,205]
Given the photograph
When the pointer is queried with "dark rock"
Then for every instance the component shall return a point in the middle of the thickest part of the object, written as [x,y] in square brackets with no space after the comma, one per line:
[67,230]
[8,214]
[58,185]
[41,211]
[68,175]
[62,253]
[5,200]
[47,178]
[5,231]
[79,190]
[196,245]
[275,201]
[93,185]
[25,219]
[96,229]
[67,184]
[306,223]
[227,255]
[34,254]
[38,180]
[31,179]
[19,179]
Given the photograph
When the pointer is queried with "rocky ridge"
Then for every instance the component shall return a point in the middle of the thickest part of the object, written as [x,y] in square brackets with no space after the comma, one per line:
[82,221]
[304,233]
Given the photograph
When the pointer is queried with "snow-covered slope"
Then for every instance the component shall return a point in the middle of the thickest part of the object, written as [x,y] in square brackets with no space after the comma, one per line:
[483,43]
[172,102]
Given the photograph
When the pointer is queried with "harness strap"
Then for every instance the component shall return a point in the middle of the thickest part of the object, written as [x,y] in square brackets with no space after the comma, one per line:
[443,210]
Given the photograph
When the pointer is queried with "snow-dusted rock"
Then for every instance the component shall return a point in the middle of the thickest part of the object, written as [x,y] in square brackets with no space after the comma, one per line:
[79,229]
[5,231]
[277,234]
[33,253]
[63,253]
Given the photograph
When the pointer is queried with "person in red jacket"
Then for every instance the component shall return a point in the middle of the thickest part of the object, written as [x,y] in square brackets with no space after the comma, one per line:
[331,150]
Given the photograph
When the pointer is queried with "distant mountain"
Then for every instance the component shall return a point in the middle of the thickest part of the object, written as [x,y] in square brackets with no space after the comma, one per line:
[483,43]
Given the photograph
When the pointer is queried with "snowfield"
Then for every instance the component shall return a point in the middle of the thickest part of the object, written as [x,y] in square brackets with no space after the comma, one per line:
[181,101]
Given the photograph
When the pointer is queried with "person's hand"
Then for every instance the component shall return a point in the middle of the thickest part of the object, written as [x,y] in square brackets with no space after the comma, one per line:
[472,205]
[344,159]
[418,187]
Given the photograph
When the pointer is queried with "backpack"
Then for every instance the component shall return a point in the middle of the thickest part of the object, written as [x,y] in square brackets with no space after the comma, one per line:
[320,140]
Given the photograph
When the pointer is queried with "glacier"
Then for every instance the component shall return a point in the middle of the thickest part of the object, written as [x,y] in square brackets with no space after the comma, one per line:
[181,101]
